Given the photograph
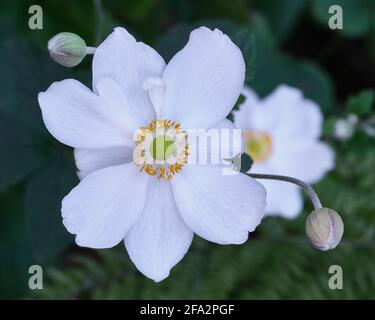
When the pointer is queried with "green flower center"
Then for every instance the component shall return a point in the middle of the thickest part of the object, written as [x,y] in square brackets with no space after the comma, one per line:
[162,148]
[258,145]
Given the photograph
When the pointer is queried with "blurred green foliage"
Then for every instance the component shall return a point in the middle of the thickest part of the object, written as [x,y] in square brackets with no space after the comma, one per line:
[362,103]
[277,261]
[357,13]
[282,15]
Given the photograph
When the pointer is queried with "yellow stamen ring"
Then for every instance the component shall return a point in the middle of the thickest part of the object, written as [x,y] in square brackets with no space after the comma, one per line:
[161,148]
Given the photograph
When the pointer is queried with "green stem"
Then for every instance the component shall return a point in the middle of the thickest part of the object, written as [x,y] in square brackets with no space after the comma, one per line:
[99,20]
[306,187]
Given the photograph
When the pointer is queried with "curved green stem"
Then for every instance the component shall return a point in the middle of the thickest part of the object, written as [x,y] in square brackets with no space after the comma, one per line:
[306,187]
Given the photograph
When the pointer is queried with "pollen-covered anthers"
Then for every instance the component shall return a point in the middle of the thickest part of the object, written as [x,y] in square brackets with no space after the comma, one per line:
[161,149]
[163,124]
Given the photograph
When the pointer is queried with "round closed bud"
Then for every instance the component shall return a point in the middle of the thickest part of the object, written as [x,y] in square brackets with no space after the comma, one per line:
[324,228]
[67,49]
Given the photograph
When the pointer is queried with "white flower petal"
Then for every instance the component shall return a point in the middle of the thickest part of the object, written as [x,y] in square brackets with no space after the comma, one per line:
[246,116]
[283,113]
[271,113]
[308,161]
[125,113]
[291,115]
[128,62]
[90,160]
[205,78]
[156,91]
[77,117]
[283,95]
[283,199]
[231,144]
[105,205]
[303,120]
[220,208]
[159,239]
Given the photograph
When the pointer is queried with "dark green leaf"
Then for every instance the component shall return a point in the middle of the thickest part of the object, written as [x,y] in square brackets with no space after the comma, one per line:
[240,100]
[58,16]
[362,103]
[272,68]
[21,150]
[26,72]
[235,10]
[371,37]
[15,250]
[329,125]
[356,14]
[44,192]
[246,162]
[303,74]
[245,40]
[135,11]
[23,137]
[242,162]
[282,15]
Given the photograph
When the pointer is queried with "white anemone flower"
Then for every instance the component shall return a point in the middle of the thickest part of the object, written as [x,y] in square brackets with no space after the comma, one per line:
[154,208]
[281,133]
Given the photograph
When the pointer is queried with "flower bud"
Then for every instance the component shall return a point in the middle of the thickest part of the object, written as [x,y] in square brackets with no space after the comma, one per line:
[325,228]
[67,49]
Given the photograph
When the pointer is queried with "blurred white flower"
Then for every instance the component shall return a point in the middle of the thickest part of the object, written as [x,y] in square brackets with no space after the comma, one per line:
[281,134]
[344,128]
[368,126]
[154,208]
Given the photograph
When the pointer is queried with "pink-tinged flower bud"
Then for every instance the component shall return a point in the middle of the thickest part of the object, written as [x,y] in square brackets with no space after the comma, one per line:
[67,49]
[324,228]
